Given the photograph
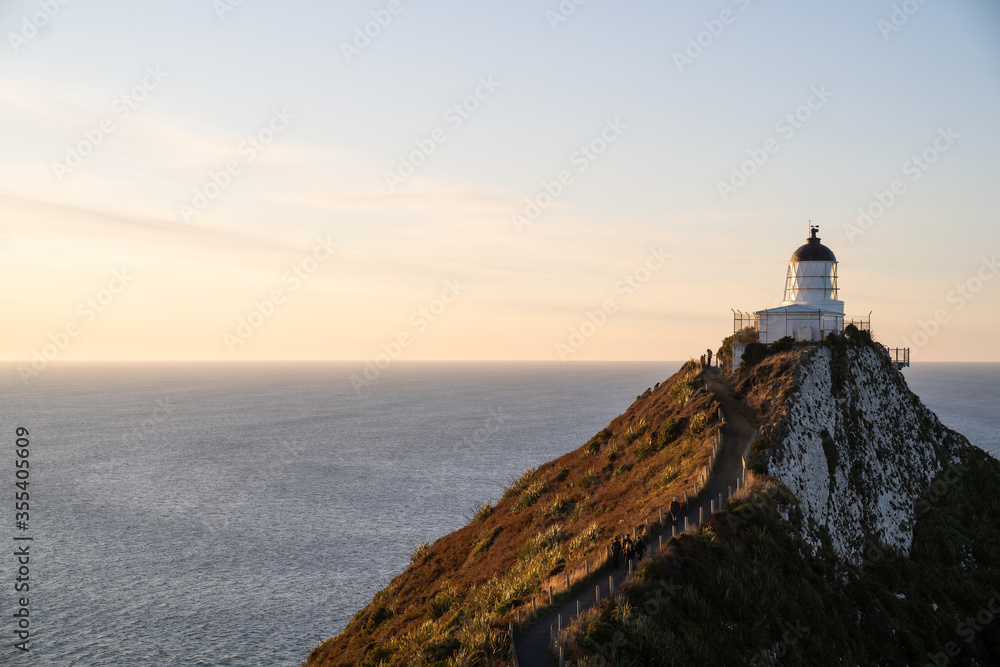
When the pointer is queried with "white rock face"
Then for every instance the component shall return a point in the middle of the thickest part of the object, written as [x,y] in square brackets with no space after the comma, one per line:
[879,453]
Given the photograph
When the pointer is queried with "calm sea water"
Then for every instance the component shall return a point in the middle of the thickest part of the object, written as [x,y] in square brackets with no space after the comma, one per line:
[239,514]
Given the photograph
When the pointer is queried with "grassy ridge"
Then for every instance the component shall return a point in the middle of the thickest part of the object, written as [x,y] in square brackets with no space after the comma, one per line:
[746,591]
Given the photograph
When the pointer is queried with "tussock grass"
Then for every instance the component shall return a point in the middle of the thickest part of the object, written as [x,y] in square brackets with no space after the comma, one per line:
[517,485]
[482,511]
[588,536]
[485,540]
[419,552]
[528,496]
[633,433]
[559,507]
[667,477]
[587,478]
[684,390]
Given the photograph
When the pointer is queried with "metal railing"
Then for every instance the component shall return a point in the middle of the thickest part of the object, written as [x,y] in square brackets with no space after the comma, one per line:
[899,355]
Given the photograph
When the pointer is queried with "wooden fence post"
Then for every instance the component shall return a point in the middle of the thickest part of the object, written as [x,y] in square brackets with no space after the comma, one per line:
[597,593]
[534,608]
[550,596]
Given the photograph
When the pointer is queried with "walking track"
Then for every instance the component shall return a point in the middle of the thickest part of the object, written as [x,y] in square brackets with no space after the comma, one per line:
[531,645]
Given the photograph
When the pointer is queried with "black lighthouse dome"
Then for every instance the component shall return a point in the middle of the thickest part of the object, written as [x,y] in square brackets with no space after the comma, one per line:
[813,250]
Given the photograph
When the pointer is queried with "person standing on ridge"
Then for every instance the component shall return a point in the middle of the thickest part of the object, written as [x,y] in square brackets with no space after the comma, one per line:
[616,550]
[708,355]
[675,510]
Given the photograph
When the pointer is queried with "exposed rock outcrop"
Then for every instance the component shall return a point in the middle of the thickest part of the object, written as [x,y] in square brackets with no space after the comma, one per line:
[851,442]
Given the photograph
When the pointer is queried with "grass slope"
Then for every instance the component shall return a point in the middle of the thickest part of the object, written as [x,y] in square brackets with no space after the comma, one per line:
[451,606]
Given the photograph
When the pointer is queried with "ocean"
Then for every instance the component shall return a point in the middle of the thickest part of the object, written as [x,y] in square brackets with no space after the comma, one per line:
[238,514]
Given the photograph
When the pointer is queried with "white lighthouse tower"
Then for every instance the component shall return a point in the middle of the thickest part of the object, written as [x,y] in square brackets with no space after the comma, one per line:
[811,308]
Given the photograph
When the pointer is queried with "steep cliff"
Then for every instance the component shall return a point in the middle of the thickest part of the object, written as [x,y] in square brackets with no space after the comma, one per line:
[851,442]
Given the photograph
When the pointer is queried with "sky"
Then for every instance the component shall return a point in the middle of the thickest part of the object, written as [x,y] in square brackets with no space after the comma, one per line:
[427,180]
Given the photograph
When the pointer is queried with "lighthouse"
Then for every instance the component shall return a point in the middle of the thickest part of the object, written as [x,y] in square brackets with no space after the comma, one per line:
[811,309]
